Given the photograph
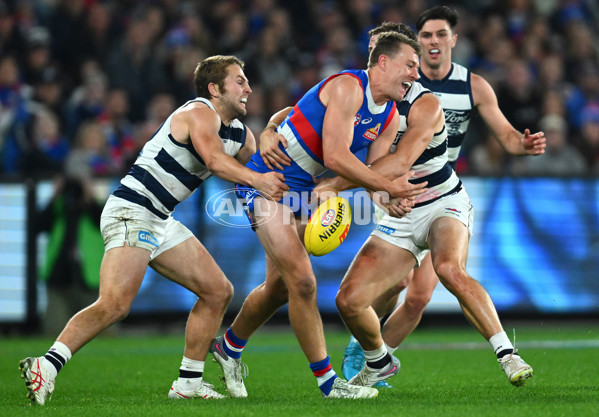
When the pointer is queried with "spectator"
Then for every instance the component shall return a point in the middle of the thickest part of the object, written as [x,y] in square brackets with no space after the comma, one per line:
[38,56]
[118,130]
[88,100]
[39,150]
[74,252]
[133,67]
[589,137]
[518,96]
[91,154]
[560,159]
[488,158]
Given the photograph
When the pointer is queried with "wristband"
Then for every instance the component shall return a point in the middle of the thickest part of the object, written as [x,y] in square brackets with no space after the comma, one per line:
[271,124]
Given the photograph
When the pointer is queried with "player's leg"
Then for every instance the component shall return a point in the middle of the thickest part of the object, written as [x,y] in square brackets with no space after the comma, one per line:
[121,274]
[353,355]
[407,316]
[278,233]
[257,308]
[448,240]
[377,267]
[261,303]
[190,265]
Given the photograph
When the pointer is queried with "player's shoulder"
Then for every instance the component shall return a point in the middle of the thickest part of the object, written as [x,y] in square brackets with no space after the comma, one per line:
[416,92]
[459,72]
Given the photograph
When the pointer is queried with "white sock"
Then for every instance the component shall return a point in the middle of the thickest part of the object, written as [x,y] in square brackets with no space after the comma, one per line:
[500,342]
[58,355]
[190,373]
[390,349]
[376,355]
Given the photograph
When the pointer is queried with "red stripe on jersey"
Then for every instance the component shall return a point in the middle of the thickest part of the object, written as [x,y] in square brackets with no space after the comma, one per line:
[307,133]
[389,118]
[322,371]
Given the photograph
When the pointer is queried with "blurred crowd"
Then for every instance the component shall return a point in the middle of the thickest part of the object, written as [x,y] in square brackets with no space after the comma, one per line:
[85,83]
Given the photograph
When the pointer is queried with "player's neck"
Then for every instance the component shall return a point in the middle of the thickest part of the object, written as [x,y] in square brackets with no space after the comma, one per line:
[222,112]
[436,73]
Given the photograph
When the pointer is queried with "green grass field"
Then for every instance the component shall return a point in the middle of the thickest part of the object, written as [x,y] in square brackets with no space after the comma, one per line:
[445,372]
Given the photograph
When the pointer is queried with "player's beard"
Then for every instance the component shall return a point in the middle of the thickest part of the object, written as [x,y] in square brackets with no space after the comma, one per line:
[233,106]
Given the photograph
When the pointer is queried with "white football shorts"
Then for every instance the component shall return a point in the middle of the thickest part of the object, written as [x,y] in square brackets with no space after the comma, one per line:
[411,231]
[125,222]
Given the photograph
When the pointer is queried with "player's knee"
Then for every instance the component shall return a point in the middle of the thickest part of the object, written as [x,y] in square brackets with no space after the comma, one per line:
[112,309]
[303,287]
[348,304]
[416,303]
[220,294]
[452,275]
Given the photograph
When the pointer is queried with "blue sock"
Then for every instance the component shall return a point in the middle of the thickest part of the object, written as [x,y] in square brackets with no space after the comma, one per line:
[233,345]
[325,376]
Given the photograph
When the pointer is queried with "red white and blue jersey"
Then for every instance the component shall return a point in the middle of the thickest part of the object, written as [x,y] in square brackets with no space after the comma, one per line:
[303,130]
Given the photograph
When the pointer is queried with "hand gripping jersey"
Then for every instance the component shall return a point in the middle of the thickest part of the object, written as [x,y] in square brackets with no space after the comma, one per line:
[166,172]
[303,130]
[455,93]
[432,165]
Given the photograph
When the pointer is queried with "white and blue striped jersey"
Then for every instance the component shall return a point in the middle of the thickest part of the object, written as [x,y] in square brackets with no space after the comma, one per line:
[166,172]
[455,94]
[432,165]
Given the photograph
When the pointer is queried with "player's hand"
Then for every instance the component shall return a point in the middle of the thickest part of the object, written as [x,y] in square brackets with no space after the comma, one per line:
[394,207]
[399,208]
[271,185]
[270,152]
[534,144]
[402,188]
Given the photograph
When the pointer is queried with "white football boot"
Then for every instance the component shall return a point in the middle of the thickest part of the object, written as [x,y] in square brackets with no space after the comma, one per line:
[233,369]
[204,391]
[342,389]
[367,377]
[38,379]
[515,368]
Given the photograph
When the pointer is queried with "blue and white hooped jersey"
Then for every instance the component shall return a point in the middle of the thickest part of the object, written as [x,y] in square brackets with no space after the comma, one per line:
[455,93]
[166,172]
[432,165]
[303,130]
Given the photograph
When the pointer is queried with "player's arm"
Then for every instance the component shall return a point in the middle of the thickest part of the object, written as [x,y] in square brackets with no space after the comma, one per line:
[379,148]
[513,141]
[269,141]
[425,119]
[203,126]
[343,97]
[248,149]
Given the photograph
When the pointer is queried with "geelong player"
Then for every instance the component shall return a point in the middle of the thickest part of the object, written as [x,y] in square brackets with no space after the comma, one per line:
[459,92]
[201,138]
[338,117]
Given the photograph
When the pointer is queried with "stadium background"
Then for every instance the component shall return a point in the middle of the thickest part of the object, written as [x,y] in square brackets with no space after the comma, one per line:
[536,242]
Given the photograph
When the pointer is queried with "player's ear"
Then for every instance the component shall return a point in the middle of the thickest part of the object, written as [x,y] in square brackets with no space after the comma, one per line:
[214,90]
[455,40]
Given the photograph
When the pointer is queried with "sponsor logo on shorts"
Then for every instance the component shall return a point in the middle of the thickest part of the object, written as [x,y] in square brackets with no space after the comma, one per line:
[453,211]
[148,238]
[385,229]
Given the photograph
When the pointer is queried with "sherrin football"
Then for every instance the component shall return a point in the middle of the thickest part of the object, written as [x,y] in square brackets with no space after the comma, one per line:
[328,226]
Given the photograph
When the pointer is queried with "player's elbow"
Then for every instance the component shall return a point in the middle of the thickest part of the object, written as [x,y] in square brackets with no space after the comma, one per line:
[213,164]
[333,162]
